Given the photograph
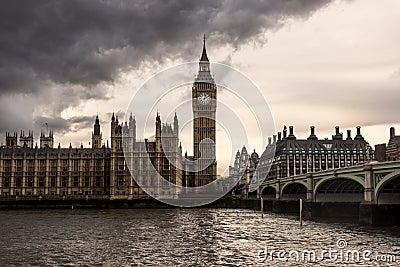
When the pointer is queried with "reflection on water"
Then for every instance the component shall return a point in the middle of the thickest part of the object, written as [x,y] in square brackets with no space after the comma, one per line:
[176,237]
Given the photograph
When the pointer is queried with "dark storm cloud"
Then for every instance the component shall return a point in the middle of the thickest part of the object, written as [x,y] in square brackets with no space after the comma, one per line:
[40,124]
[61,125]
[88,42]
[56,124]
[107,117]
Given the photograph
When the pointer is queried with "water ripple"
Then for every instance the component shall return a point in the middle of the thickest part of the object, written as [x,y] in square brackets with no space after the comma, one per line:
[176,237]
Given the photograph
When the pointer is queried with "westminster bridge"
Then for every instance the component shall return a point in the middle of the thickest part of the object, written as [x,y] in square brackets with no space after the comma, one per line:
[370,192]
[377,183]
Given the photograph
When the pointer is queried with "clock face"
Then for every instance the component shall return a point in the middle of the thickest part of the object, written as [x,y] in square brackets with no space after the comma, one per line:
[204,99]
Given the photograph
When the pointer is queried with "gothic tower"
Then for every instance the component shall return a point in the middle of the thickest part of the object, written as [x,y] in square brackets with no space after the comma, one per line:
[204,105]
[116,135]
[46,141]
[158,145]
[26,140]
[132,131]
[117,178]
[96,134]
[11,140]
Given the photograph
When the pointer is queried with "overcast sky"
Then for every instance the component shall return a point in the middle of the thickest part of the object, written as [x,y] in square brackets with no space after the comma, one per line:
[322,63]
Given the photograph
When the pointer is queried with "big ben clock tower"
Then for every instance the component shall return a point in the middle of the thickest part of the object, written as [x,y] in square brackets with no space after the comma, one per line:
[204,104]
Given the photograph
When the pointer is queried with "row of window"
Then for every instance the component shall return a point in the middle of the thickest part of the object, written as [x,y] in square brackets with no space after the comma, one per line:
[341,150]
[98,164]
[63,193]
[76,182]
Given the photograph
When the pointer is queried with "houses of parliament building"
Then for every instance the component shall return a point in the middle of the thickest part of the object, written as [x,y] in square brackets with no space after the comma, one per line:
[27,169]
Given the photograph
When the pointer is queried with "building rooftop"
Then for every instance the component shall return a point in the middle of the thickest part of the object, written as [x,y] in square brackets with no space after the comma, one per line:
[19,151]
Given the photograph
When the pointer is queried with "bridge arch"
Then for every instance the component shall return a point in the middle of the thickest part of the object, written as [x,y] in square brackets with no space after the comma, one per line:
[294,191]
[268,192]
[347,176]
[387,191]
[339,189]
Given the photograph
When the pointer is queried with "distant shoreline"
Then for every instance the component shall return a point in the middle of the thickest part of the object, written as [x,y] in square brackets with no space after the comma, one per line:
[361,213]
[109,203]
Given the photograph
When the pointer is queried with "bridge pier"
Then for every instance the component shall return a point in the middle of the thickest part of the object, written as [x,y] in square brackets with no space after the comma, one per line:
[373,214]
[278,190]
[310,187]
[369,193]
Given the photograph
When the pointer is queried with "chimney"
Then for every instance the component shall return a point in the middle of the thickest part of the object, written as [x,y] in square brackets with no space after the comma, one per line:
[348,134]
[284,132]
[312,128]
[312,134]
[274,136]
[269,140]
[291,133]
[338,135]
[279,136]
[358,136]
[392,132]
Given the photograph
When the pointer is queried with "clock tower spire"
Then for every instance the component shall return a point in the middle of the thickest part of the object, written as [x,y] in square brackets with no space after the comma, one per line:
[204,105]
[204,74]
[204,54]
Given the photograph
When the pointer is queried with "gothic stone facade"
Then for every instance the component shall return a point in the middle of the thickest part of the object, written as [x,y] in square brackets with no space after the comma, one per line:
[147,159]
[98,171]
[48,171]
[103,170]
[243,171]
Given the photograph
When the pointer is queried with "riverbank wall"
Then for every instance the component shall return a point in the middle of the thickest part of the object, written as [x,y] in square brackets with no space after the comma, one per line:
[363,213]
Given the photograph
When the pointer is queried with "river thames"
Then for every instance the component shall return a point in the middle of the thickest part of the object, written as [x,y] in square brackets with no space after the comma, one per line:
[188,237]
